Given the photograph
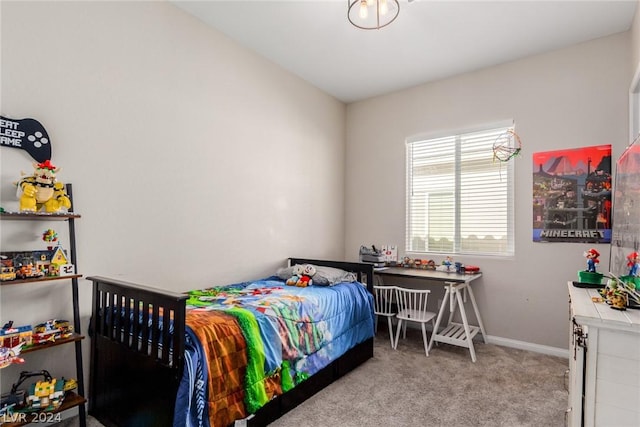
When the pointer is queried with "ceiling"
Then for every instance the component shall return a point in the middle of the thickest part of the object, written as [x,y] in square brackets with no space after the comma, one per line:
[430,39]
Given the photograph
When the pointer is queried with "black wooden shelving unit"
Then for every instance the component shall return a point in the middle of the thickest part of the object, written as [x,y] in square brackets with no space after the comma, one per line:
[77,399]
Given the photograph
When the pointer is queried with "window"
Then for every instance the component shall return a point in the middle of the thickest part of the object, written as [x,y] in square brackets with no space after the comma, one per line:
[459,197]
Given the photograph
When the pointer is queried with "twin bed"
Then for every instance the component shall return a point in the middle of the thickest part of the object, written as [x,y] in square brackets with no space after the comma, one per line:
[245,352]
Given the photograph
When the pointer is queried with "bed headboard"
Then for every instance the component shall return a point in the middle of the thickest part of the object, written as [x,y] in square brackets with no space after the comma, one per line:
[363,271]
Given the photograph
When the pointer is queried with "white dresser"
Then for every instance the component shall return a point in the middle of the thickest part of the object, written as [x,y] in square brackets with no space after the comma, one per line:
[604,363]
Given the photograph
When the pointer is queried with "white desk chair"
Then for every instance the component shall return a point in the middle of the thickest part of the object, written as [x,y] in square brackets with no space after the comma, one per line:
[384,306]
[412,307]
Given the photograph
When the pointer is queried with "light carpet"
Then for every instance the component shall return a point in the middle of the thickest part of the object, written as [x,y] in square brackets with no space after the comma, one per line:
[505,387]
[403,387]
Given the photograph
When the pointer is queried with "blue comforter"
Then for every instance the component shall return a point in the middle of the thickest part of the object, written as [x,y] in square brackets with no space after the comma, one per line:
[290,333]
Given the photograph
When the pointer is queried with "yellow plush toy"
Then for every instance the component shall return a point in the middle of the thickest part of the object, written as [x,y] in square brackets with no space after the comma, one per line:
[42,190]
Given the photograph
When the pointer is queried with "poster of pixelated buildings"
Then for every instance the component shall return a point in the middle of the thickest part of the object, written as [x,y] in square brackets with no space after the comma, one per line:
[572,195]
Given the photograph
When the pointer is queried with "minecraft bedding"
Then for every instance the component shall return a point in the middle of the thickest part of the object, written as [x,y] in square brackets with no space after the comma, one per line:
[249,342]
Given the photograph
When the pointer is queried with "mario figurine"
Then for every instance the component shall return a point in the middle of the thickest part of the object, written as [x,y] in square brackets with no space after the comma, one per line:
[592,259]
[633,262]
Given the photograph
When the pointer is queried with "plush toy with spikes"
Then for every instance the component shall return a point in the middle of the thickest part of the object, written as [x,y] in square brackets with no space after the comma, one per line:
[42,190]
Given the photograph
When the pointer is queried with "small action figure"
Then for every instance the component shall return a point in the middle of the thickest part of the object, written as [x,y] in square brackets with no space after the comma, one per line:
[592,259]
[634,264]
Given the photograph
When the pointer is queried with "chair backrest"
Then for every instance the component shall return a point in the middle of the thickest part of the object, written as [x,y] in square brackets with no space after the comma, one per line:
[412,304]
[384,297]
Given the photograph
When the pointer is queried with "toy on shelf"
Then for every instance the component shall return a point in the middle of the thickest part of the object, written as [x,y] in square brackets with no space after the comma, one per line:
[7,270]
[50,331]
[590,275]
[52,262]
[620,294]
[42,190]
[11,336]
[633,275]
[28,271]
[43,395]
[50,236]
[10,355]
[592,259]
[634,264]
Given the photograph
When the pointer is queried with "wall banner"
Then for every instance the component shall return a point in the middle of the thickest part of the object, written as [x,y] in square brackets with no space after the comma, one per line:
[572,195]
[26,134]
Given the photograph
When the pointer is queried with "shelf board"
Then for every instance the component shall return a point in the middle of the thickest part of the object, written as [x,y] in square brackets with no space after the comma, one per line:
[73,338]
[71,400]
[39,279]
[38,216]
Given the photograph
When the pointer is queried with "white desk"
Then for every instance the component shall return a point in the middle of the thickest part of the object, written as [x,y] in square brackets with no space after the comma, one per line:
[456,288]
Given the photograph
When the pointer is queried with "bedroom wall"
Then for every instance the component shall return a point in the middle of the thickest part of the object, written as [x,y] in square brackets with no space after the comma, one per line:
[635,40]
[194,161]
[568,98]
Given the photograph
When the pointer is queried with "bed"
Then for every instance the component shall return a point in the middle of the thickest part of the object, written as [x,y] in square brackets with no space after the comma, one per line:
[153,352]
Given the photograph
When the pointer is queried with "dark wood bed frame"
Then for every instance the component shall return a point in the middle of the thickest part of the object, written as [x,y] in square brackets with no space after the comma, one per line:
[134,382]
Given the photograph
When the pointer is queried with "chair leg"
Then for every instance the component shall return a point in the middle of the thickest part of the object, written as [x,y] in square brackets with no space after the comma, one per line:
[395,346]
[375,324]
[433,326]
[424,338]
[390,332]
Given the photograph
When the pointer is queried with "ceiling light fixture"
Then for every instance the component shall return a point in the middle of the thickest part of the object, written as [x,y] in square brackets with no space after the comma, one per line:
[372,14]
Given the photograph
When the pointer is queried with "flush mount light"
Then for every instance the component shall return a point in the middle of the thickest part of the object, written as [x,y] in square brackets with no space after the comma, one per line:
[372,14]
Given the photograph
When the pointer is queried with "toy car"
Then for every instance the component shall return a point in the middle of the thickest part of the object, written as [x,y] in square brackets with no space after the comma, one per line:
[7,273]
[28,271]
[51,330]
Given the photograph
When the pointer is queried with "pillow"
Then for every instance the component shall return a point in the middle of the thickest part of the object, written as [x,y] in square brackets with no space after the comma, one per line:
[285,272]
[325,276]
[329,276]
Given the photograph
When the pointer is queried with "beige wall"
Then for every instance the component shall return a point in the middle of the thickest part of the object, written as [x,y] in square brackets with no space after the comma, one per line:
[194,162]
[569,98]
[635,40]
[634,87]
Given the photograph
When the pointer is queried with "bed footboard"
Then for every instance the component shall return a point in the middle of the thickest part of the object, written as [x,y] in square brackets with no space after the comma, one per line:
[137,352]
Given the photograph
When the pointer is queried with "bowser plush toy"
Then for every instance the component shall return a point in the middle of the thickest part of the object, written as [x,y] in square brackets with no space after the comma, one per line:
[41,190]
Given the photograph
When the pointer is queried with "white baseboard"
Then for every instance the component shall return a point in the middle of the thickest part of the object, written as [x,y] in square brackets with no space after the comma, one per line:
[504,342]
[523,345]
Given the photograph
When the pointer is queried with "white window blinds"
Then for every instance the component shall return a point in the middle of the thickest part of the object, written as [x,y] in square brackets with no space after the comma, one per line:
[459,198]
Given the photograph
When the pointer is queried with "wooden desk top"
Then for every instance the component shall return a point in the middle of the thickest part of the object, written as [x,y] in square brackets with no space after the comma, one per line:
[440,276]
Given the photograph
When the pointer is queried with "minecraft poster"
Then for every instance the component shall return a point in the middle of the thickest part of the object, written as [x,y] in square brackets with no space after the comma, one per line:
[572,195]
